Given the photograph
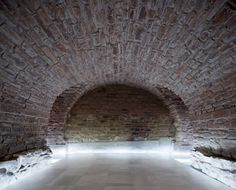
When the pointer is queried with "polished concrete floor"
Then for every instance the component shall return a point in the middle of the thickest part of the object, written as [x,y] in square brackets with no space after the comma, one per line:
[117,172]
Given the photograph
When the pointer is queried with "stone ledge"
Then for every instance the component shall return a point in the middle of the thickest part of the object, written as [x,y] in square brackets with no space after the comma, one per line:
[217,168]
[11,170]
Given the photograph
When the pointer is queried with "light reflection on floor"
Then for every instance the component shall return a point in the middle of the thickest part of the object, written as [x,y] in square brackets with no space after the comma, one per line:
[116,171]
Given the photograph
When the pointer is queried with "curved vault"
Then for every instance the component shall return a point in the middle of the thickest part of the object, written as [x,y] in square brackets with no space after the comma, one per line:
[50,46]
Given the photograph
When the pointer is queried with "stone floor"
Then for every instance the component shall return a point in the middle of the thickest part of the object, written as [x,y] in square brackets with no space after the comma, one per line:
[117,172]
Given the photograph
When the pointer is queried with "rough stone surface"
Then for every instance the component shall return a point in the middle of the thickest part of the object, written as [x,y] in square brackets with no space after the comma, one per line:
[22,164]
[118,113]
[218,168]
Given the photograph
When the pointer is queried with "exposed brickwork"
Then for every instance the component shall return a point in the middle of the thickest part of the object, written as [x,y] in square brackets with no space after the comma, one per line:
[18,133]
[47,47]
[65,102]
[59,111]
[118,113]
[216,130]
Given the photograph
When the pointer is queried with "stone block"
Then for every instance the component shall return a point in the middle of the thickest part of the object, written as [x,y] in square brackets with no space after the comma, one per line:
[221,169]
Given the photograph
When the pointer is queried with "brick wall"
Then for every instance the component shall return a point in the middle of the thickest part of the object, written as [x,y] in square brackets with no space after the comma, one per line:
[47,47]
[118,113]
[20,133]
[64,103]
[215,132]
[214,118]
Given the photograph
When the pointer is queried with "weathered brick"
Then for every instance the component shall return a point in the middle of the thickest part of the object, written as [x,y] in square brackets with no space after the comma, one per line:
[132,113]
[64,49]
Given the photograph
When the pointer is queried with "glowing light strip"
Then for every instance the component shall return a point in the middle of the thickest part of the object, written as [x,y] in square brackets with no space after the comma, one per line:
[186,161]
[115,150]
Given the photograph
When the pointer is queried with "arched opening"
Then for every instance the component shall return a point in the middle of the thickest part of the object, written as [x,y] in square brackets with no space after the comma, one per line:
[119,112]
[183,52]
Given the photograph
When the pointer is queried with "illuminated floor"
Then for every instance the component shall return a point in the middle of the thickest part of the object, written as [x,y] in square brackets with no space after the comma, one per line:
[117,172]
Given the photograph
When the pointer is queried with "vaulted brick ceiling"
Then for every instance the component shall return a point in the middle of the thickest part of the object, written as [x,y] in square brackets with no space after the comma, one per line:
[50,47]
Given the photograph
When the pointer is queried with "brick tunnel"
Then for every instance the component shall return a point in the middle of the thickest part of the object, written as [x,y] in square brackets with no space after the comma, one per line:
[89,75]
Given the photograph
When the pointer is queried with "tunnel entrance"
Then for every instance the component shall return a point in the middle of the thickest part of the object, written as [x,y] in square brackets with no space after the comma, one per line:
[119,113]
[115,112]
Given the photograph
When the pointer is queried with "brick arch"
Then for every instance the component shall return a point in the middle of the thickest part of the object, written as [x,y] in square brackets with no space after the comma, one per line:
[48,47]
[65,101]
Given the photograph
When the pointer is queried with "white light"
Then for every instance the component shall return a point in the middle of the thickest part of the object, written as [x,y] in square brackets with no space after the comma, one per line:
[162,149]
[41,166]
[116,151]
[182,153]
[186,161]
[53,160]
[118,148]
